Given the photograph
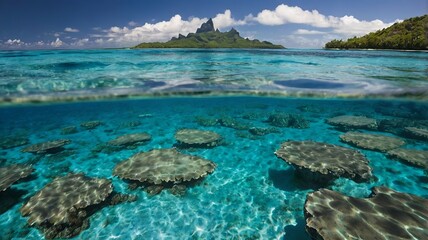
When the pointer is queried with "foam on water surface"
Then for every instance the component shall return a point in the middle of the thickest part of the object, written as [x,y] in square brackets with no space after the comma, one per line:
[251,194]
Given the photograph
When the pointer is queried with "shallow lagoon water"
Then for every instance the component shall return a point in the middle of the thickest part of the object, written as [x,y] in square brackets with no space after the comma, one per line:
[252,194]
[83,74]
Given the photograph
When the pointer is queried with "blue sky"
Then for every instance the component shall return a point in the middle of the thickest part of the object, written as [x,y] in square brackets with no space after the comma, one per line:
[123,23]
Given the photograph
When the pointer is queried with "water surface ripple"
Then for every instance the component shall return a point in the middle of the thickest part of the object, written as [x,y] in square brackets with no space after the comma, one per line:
[76,74]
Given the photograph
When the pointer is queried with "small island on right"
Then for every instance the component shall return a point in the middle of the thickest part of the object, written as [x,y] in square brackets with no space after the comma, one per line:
[411,34]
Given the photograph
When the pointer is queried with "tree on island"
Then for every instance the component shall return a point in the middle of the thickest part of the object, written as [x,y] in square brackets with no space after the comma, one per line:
[411,34]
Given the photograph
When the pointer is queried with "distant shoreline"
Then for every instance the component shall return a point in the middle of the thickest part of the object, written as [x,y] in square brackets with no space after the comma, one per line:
[283,49]
[375,49]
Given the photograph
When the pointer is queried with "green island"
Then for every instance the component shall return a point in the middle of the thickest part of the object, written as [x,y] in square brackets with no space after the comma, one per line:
[411,34]
[207,37]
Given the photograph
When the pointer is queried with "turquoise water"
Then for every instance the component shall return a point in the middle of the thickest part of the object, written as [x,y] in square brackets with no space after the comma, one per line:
[45,75]
[252,194]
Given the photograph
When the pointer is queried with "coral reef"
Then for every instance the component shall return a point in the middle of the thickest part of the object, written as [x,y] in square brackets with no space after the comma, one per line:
[386,214]
[13,141]
[287,120]
[47,147]
[162,167]
[130,139]
[89,125]
[60,209]
[11,174]
[188,138]
[418,133]
[257,131]
[231,122]
[206,122]
[418,158]
[322,162]
[373,142]
[69,130]
[348,122]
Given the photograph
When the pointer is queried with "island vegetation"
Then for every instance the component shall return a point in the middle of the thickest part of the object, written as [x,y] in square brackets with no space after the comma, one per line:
[207,37]
[411,34]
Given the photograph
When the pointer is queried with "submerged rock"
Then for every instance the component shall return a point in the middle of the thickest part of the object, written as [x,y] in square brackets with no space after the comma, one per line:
[287,120]
[373,142]
[118,198]
[402,110]
[178,190]
[262,131]
[163,167]
[397,125]
[60,209]
[69,130]
[90,124]
[322,162]
[130,139]
[188,138]
[233,123]
[47,147]
[11,174]
[418,158]
[206,122]
[419,133]
[348,122]
[387,214]
[253,116]
[311,108]
[130,124]
[13,141]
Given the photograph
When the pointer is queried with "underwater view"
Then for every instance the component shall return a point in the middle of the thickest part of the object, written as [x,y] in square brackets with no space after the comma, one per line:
[213,144]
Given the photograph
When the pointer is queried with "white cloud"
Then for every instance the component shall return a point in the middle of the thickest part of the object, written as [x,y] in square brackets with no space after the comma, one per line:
[346,25]
[308,32]
[224,20]
[14,42]
[57,43]
[321,28]
[285,14]
[164,30]
[69,29]
[81,42]
[160,31]
[132,24]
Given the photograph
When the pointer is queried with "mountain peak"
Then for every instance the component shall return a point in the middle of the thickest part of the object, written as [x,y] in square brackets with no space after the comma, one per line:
[206,27]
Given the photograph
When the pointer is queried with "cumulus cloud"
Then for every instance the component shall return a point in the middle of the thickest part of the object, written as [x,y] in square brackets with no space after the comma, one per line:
[81,42]
[72,30]
[346,25]
[308,40]
[224,20]
[14,42]
[149,32]
[308,32]
[132,23]
[321,28]
[99,41]
[57,43]
[164,30]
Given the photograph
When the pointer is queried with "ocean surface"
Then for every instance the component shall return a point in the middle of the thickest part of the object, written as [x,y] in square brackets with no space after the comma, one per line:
[252,194]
